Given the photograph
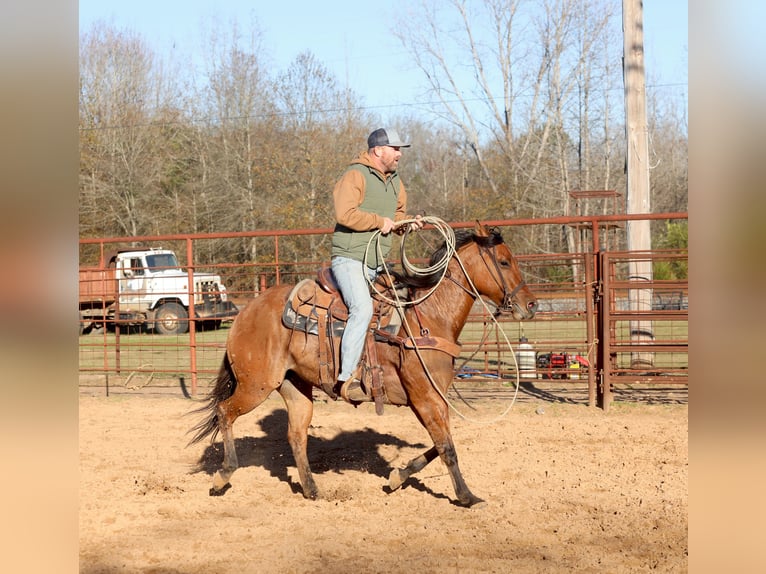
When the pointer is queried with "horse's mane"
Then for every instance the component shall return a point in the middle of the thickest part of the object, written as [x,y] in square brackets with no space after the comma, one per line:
[462,237]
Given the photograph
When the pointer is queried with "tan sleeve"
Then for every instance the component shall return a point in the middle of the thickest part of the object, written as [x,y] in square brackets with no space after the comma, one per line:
[348,195]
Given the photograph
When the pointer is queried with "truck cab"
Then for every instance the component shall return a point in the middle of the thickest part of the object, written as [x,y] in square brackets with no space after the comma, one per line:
[148,287]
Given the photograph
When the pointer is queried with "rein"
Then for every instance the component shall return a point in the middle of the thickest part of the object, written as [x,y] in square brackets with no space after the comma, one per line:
[463,287]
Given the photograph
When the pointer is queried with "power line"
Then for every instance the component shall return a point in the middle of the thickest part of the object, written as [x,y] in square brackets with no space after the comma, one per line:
[259,116]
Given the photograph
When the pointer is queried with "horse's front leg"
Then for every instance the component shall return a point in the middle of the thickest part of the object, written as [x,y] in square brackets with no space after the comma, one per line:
[399,475]
[463,493]
[433,414]
[300,409]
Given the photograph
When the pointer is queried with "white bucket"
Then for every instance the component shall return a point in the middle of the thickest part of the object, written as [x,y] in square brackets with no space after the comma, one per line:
[526,360]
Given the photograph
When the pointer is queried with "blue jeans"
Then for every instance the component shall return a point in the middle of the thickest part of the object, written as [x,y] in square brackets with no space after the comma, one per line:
[349,275]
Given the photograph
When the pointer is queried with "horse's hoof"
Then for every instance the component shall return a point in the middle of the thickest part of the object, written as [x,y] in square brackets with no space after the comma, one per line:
[476,504]
[219,491]
[219,481]
[395,479]
[471,502]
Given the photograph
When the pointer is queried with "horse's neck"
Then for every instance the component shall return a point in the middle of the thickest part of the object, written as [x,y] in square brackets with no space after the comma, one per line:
[446,311]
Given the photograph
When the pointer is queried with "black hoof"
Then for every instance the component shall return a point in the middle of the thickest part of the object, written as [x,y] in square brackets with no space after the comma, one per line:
[473,502]
[219,492]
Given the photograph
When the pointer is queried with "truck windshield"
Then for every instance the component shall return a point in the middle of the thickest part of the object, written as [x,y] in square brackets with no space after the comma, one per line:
[161,261]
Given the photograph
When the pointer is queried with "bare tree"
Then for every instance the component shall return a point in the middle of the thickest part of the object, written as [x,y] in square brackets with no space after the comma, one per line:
[668,153]
[316,145]
[119,89]
[429,42]
[237,105]
[321,134]
[517,79]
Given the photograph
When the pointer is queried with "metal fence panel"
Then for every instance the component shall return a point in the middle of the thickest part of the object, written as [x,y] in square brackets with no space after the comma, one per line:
[581,335]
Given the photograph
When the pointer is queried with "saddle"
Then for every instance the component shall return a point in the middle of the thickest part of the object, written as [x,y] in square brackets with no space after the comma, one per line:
[316,307]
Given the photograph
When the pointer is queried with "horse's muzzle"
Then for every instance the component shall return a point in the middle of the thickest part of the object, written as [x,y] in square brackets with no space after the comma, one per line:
[518,311]
[531,309]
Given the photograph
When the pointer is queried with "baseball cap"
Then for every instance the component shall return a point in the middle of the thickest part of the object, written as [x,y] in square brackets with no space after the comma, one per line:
[385,136]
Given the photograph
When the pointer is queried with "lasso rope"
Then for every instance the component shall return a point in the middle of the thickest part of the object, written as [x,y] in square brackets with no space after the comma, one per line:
[440,266]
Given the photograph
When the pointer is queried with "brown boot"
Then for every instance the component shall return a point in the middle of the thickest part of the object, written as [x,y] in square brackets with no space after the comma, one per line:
[353,391]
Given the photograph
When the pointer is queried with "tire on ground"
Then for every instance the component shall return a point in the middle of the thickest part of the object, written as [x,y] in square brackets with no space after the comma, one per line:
[171,319]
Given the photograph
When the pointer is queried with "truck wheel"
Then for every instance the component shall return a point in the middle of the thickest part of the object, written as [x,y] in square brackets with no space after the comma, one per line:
[171,319]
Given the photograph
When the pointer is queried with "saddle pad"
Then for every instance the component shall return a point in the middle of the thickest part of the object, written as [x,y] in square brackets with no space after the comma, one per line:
[307,303]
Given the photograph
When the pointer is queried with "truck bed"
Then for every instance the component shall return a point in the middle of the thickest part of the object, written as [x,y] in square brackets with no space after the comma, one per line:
[98,287]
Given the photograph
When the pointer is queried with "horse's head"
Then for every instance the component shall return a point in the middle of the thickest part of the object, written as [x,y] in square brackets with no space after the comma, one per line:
[495,273]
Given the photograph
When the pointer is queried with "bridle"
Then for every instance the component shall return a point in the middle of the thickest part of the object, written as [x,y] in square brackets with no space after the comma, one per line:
[509,298]
[487,245]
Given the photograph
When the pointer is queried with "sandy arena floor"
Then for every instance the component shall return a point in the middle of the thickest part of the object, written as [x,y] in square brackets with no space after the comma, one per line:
[568,488]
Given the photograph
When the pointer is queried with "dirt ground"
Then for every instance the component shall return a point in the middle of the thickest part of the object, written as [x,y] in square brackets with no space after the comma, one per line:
[568,488]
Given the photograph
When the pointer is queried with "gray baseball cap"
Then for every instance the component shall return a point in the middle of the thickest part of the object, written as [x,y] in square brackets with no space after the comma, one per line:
[385,137]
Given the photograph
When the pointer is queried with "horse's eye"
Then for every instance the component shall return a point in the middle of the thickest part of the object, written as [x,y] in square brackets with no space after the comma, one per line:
[505,263]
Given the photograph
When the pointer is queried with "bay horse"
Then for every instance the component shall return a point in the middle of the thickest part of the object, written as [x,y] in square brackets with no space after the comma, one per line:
[262,355]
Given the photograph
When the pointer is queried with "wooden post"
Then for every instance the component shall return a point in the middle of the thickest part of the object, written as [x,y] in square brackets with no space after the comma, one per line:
[637,197]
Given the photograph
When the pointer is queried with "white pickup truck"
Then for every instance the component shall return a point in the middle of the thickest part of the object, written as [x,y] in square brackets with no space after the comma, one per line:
[147,287]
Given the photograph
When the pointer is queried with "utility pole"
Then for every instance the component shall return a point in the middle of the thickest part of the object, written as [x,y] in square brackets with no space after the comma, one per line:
[637,195]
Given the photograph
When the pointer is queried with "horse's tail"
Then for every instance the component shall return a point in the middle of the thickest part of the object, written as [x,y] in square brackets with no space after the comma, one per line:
[225,384]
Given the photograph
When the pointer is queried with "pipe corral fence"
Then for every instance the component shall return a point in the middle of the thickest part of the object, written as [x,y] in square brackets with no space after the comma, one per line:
[599,328]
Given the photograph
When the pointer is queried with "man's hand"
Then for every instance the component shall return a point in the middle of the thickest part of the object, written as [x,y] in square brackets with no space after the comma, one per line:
[417,224]
[414,225]
[388,225]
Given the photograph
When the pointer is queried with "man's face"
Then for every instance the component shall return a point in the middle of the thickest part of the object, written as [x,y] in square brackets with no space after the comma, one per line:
[389,157]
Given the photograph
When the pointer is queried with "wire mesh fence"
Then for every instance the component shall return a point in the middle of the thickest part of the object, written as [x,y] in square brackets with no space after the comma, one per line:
[583,336]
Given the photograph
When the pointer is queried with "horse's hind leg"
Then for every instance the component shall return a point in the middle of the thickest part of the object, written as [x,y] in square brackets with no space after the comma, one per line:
[230,462]
[300,409]
[229,410]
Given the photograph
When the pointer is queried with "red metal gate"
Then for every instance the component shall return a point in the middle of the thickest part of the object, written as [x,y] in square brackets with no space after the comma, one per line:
[644,347]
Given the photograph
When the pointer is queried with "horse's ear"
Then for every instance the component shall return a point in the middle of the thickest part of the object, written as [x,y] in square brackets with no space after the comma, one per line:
[479,230]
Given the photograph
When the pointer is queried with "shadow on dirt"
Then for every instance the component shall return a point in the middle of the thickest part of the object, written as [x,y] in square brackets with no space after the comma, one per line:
[552,396]
[349,450]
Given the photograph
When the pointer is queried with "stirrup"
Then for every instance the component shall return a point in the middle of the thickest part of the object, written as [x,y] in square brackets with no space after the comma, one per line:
[353,391]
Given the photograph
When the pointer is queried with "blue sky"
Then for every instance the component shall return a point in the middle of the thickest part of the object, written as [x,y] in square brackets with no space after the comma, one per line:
[351,38]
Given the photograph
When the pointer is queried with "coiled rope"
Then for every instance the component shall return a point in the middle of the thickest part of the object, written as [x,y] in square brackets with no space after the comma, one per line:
[439,266]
